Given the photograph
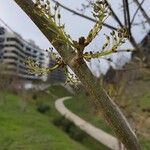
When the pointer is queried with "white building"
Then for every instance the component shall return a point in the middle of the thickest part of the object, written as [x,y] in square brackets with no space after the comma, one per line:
[14,51]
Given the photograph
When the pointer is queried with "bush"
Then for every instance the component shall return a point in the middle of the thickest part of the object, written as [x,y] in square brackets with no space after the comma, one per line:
[63,123]
[70,128]
[43,108]
[34,97]
[76,133]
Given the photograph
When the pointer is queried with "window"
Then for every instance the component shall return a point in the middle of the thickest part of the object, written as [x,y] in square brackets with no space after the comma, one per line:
[28,49]
[1,46]
[10,57]
[42,54]
[2,40]
[15,40]
[2,31]
[35,51]
[12,63]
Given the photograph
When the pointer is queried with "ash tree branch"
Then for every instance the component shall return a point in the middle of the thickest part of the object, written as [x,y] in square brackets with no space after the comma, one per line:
[82,15]
[132,40]
[127,11]
[124,13]
[105,104]
[132,20]
[142,10]
[114,14]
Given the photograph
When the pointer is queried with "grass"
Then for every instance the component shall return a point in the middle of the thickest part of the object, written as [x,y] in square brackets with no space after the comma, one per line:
[57,92]
[145,100]
[22,127]
[26,129]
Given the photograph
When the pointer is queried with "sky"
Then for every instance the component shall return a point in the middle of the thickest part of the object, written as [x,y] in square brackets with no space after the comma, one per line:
[74,25]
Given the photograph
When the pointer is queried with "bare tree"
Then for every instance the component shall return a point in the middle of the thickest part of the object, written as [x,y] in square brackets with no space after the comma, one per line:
[73,56]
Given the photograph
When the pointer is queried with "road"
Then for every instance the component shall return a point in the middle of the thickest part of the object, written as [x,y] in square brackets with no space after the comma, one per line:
[98,134]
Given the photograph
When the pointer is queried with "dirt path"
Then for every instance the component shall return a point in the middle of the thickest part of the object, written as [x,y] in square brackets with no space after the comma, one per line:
[98,134]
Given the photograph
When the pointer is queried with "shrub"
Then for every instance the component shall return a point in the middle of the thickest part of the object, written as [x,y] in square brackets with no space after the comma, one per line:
[43,108]
[70,128]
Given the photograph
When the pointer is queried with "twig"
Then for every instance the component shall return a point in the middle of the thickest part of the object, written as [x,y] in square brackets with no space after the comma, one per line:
[132,20]
[82,15]
[142,11]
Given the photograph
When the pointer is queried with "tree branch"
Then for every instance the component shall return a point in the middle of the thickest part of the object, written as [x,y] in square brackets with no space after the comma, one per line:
[132,40]
[132,20]
[104,103]
[127,11]
[114,14]
[82,15]
[142,10]
[124,13]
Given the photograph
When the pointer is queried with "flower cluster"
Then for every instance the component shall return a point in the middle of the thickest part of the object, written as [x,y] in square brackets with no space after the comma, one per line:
[116,39]
[100,13]
[44,6]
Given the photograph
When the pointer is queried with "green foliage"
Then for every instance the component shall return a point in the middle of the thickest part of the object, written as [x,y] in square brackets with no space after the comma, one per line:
[43,108]
[70,128]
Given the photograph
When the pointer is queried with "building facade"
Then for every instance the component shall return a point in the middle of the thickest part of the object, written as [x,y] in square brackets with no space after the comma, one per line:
[14,51]
[57,76]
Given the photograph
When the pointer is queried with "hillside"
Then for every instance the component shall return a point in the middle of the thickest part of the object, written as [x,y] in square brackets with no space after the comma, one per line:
[22,127]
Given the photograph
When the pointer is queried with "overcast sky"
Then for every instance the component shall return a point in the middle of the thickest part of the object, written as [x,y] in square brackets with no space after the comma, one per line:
[75,26]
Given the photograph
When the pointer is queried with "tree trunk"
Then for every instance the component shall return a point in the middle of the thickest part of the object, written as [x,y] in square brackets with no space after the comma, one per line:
[104,103]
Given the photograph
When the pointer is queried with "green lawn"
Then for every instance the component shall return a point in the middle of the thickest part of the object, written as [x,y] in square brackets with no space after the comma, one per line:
[23,128]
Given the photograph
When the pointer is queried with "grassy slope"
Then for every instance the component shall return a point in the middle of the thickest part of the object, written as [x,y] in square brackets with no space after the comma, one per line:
[30,130]
[145,103]
[57,92]
[145,100]
[80,106]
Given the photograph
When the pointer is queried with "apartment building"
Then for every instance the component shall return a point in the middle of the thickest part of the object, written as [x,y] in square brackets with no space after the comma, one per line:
[14,51]
[57,76]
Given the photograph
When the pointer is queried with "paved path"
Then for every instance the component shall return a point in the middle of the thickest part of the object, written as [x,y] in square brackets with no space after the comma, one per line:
[98,134]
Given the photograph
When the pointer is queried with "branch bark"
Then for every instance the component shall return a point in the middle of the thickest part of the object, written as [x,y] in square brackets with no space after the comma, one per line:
[104,103]
[126,7]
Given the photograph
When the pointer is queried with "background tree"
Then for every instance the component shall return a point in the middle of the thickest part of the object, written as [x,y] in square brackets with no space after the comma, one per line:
[7,81]
[72,53]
